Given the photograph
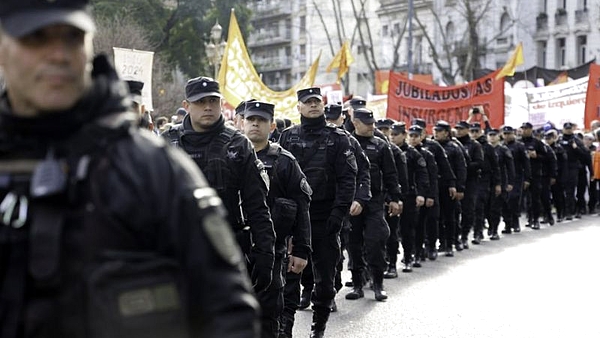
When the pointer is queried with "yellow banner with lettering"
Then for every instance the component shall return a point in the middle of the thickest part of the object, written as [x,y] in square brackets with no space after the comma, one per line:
[239,80]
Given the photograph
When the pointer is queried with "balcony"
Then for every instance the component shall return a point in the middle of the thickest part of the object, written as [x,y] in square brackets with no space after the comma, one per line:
[582,21]
[560,17]
[266,38]
[541,22]
[581,15]
[262,10]
[273,64]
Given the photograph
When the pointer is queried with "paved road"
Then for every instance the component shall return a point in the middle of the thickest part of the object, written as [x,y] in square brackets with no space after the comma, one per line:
[543,283]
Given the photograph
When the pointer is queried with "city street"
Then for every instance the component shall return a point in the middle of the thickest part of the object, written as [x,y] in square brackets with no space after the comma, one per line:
[530,284]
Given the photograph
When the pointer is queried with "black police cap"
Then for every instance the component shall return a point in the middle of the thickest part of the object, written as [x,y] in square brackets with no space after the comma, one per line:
[415,129]
[399,128]
[419,122]
[181,111]
[22,17]
[493,131]
[364,115]
[200,87]
[442,125]
[309,93]
[475,126]
[527,125]
[135,90]
[358,102]
[262,109]
[333,111]
[462,125]
[568,125]
[508,129]
[384,123]
[241,108]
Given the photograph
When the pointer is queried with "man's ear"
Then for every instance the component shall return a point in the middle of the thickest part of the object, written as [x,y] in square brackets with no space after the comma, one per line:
[273,126]
[185,104]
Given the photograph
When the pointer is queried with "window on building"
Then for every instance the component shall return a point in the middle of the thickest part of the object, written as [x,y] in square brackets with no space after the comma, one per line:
[562,4]
[582,4]
[302,24]
[384,30]
[396,28]
[418,50]
[561,52]
[544,6]
[541,57]
[303,52]
[581,49]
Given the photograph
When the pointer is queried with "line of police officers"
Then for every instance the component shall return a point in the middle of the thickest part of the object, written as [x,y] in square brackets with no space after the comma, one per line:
[336,181]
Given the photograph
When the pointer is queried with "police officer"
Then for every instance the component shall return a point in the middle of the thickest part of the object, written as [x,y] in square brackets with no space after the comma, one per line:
[414,198]
[89,230]
[430,194]
[557,189]
[512,213]
[370,231]
[489,184]
[576,153]
[334,114]
[385,127]
[474,166]
[447,176]
[327,159]
[549,177]
[507,179]
[449,197]
[288,200]
[229,162]
[537,156]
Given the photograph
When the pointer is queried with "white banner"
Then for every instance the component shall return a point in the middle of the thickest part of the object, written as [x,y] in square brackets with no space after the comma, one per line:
[558,104]
[136,65]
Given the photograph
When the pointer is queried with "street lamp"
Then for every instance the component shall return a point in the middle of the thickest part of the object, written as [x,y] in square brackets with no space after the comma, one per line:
[215,47]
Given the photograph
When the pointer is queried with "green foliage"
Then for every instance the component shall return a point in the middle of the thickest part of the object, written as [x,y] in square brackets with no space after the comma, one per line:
[178,29]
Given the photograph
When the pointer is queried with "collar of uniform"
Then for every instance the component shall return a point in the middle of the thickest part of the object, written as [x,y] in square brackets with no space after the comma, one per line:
[217,127]
[314,123]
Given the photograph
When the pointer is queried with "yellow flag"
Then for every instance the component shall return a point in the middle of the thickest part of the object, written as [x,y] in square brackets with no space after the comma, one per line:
[342,61]
[239,80]
[512,63]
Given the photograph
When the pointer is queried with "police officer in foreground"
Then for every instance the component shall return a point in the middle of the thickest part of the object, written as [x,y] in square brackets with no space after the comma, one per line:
[288,200]
[557,189]
[537,157]
[89,231]
[369,231]
[506,165]
[231,167]
[327,159]
[576,154]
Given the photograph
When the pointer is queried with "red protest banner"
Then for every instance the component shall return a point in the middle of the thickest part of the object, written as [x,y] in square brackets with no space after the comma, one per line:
[411,99]
[592,100]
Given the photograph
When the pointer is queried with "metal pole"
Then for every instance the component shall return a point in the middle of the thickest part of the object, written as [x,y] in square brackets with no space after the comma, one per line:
[410,39]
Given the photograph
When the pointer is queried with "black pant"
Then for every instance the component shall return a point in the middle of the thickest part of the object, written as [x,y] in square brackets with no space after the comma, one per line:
[570,184]
[427,232]
[493,210]
[368,237]
[271,301]
[582,187]
[291,296]
[534,196]
[594,192]
[512,211]
[408,221]
[558,199]
[394,239]
[483,199]
[545,197]
[468,207]
[447,221]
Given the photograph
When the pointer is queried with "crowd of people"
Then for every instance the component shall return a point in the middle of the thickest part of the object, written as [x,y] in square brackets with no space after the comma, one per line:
[236,225]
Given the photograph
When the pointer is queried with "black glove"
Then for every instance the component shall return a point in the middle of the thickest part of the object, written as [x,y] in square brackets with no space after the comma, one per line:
[334,222]
[261,271]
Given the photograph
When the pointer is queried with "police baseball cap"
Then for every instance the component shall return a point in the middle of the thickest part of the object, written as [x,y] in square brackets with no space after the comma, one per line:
[358,102]
[462,125]
[527,125]
[262,109]
[384,123]
[442,125]
[309,93]
[475,126]
[241,108]
[419,122]
[415,129]
[135,90]
[399,128]
[200,87]
[364,115]
[181,111]
[493,131]
[333,111]
[22,17]
[550,133]
[508,129]
[568,125]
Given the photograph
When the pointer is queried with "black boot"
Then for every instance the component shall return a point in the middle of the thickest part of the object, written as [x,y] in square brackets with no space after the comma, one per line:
[408,263]
[357,292]
[380,294]
[286,325]
[320,317]
[305,299]
[391,272]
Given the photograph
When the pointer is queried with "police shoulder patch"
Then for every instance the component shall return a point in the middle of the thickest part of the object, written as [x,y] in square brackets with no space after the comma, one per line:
[421,162]
[221,237]
[263,173]
[305,187]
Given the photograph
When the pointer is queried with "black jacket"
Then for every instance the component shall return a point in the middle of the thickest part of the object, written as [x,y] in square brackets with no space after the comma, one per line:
[114,211]
[522,162]
[418,177]
[490,171]
[446,174]
[432,171]
[457,164]
[475,152]
[384,177]
[507,165]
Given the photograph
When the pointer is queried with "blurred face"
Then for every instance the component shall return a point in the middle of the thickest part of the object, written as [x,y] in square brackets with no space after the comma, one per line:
[550,139]
[398,138]
[526,132]
[257,128]
[312,108]
[493,139]
[440,135]
[475,133]
[414,139]
[460,132]
[509,137]
[588,141]
[363,129]
[47,70]
[204,113]
[386,131]
[567,131]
